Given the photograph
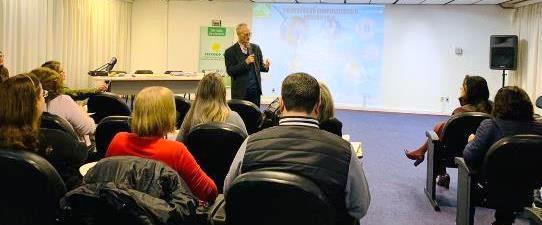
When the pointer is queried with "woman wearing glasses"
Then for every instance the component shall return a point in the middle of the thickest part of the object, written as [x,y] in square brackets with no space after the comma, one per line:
[23,100]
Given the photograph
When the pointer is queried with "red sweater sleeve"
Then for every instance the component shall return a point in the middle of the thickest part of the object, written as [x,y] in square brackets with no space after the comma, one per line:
[200,184]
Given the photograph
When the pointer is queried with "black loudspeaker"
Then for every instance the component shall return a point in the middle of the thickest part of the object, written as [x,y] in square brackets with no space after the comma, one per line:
[503,52]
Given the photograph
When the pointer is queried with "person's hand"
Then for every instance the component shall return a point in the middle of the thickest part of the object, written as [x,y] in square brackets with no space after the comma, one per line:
[266,64]
[471,137]
[249,59]
[102,88]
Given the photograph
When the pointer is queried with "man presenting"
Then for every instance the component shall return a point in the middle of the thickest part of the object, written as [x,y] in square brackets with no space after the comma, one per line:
[4,73]
[244,63]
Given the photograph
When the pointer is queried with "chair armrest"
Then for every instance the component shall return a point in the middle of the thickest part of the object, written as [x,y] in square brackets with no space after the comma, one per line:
[432,136]
[462,165]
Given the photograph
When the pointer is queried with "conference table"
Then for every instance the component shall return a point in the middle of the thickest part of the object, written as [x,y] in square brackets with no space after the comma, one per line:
[131,84]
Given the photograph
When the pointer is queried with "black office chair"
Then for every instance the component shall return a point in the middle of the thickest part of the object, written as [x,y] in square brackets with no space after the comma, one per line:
[214,146]
[107,104]
[509,174]
[181,106]
[30,190]
[106,130]
[52,121]
[144,72]
[271,198]
[539,102]
[249,112]
[442,150]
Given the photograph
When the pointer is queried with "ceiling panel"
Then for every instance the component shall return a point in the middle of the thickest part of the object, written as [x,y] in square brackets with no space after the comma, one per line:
[382,1]
[408,2]
[357,1]
[435,2]
[463,2]
[308,1]
[332,1]
[490,2]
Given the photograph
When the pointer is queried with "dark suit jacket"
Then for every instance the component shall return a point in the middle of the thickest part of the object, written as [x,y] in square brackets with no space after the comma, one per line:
[332,125]
[492,130]
[239,71]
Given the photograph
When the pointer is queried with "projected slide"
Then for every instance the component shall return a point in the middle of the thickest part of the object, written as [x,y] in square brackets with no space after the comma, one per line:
[338,44]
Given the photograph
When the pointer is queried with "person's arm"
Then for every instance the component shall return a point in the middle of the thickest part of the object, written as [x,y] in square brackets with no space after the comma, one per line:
[80,94]
[81,122]
[238,121]
[235,168]
[476,150]
[263,68]
[358,197]
[197,180]
[234,67]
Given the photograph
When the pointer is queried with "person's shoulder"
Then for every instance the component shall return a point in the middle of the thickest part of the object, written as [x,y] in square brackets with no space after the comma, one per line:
[234,116]
[229,49]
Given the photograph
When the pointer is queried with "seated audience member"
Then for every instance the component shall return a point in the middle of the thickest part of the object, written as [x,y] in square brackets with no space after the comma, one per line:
[326,117]
[76,94]
[22,100]
[152,119]
[513,114]
[4,73]
[62,105]
[299,146]
[474,97]
[210,106]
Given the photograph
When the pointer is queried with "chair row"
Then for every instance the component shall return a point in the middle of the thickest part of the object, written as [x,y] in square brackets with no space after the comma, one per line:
[505,180]
[108,104]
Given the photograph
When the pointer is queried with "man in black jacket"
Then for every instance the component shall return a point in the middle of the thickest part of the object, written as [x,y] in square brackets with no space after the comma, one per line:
[298,146]
[244,63]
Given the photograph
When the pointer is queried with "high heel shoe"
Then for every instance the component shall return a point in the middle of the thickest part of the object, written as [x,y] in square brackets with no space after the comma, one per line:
[417,157]
[443,181]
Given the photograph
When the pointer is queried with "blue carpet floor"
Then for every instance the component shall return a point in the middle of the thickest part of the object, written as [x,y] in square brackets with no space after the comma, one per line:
[397,195]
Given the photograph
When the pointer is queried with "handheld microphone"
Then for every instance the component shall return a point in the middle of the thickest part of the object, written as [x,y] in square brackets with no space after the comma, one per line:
[250,52]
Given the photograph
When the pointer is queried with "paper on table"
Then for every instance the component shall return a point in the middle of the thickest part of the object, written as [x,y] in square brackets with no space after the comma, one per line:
[357,149]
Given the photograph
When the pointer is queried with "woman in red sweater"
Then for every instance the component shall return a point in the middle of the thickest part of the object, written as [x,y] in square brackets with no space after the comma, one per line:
[153,117]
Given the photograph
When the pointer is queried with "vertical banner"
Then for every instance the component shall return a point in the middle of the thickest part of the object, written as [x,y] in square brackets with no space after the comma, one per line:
[213,42]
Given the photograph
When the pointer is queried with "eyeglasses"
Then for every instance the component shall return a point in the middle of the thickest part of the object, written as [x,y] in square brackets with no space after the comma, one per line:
[45,93]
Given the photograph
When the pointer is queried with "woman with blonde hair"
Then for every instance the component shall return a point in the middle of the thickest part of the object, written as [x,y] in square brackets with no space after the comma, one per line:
[63,105]
[326,117]
[153,118]
[23,100]
[210,106]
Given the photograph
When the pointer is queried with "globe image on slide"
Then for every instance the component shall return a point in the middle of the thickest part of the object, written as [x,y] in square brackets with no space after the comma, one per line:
[365,28]
[292,30]
[355,73]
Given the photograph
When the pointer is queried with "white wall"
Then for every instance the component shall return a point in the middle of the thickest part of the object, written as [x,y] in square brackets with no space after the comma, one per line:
[420,65]
[419,62]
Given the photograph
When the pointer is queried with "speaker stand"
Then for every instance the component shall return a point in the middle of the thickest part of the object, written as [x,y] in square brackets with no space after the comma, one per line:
[503,77]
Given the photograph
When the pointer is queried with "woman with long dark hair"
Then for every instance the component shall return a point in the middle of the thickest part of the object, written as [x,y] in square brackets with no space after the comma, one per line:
[513,114]
[474,97]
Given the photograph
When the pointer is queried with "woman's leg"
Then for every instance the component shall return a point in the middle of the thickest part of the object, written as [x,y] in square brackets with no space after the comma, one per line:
[420,152]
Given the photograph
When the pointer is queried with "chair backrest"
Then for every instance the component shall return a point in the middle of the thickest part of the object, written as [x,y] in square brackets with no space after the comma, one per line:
[214,146]
[511,171]
[249,112]
[269,198]
[143,72]
[52,121]
[539,102]
[30,189]
[457,130]
[181,106]
[107,104]
[107,129]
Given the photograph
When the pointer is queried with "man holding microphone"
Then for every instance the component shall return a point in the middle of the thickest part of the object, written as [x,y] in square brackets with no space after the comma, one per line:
[244,63]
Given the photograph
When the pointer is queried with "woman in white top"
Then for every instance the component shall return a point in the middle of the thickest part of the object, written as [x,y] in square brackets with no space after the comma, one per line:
[210,106]
[62,105]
